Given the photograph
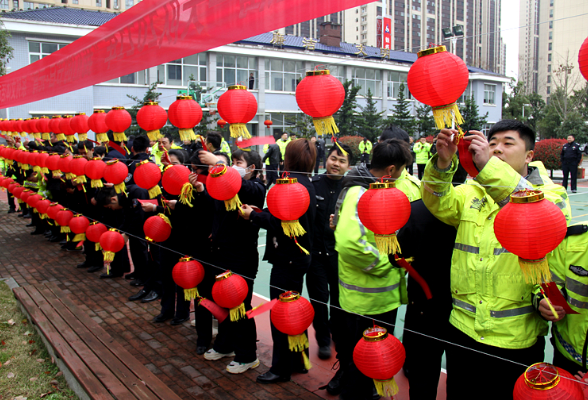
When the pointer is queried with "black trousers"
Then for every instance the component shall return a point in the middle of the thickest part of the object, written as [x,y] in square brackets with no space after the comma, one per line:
[365,158]
[139,255]
[173,301]
[322,283]
[559,360]
[356,385]
[571,169]
[271,174]
[421,168]
[410,168]
[286,276]
[11,203]
[433,320]
[120,264]
[203,316]
[465,367]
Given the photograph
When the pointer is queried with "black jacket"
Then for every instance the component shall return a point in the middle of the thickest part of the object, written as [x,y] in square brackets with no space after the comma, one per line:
[327,191]
[134,217]
[112,154]
[570,153]
[274,154]
[279,247]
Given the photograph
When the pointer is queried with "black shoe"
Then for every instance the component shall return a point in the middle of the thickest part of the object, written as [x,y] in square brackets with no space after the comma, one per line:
[324,352]
[109,276]
[63,242]
[179,321]
[270,377]
[30,225]
[95,268]
[20,215]
[36,232]
[152,296]
[55,239]
[334,385]
[139,295]
[574,191]
[27,216]
[375,395]
[11,211]
[201,350]
[162,318]
[137,282]
[48,234]
[73,247]
[83,265]
[130,276]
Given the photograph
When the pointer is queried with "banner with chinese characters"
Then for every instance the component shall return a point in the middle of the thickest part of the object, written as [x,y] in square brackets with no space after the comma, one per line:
[387,33]
[151,33]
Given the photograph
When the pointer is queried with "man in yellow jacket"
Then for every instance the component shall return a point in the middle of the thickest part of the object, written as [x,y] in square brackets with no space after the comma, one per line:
[422,149]
[493,318]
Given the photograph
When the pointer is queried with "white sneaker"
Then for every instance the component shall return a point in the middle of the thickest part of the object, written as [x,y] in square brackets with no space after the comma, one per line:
[238,368]
[212,355]
[193,322]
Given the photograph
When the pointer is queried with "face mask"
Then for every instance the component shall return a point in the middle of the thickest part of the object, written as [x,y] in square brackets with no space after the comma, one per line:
[240,170]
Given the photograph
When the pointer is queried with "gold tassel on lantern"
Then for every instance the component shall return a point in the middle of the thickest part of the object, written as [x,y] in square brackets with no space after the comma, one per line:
[46,136]
[60,136]
[187,134]
[237,313]
[120,188]
[97,246]
[233,204]
[444,115]
[80,179]
[102,137]
[535,271]
[154,192]
[239,130]
[154,135]
[108,256]
[70,138]
[299,344]
[387,388]
[79,237]
[191,294]
[37,136]
[69,176]
[292,228]
[120,136]
[388,244]
[82,137]
[65,229]
[57,173]
[96,183]
[44,170]
[325,125]
[187,194]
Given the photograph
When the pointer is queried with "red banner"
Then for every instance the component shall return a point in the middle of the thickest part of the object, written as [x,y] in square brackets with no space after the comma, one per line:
[387,33]
[151,33]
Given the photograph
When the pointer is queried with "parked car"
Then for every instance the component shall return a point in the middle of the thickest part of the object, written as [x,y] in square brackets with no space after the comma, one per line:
[584,148]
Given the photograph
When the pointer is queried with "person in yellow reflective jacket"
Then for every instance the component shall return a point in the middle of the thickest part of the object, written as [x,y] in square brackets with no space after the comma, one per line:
[569,270]
[493,309]
[365,149]
[422,149]
[370,287]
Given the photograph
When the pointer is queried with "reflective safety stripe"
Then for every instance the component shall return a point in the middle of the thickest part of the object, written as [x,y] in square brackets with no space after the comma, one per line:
[466,248]
[369,290]
[556,278]
[500,251]
[561,204]
[512,313]
[464,305]
[577,303]
[578,288]
[569,348]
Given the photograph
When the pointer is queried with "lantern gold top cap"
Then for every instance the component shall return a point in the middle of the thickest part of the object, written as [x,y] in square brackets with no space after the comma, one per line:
[218,170]
[112,161]
[142,163]
[183,97]
[185,259]
[289,296]
[98,111]
[222,276]
[68,116]
[542,376]
[237,87]
[44,116]
[80,113]
[56,116]
[432,50]
[526,196]
[113,230]
[118,108]
[285,181]
[318,72]
[150,103]
[375,334]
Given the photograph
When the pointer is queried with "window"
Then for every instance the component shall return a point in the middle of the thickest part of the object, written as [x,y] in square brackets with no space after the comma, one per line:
[548,89]
[177,72]
[367,79]
[283,75]
[549,57]
[4,4]
[550,35]
[550,24]
[551,13]
[38,50]
[549,68]
[27,5]
[98,3]
[129,3]
[233,70]
[338,71]
[466,93]
[489,94]
[486,129]
[549,47]
[548,78]
[395,79]
[137,78]
[75,1]
[116,4]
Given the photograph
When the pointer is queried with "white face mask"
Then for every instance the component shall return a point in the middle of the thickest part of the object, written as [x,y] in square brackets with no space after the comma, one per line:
[240,170]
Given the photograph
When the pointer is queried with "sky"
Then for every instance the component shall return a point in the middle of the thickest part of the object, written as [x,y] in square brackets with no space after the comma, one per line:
[510,35]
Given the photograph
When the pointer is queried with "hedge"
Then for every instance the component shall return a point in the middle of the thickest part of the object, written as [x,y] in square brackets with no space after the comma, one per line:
[548,151]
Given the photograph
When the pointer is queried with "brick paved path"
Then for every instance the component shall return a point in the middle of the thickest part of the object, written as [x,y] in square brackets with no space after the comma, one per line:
[168,351]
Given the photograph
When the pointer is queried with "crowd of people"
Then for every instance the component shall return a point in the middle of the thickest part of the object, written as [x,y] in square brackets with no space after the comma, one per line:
[488,321]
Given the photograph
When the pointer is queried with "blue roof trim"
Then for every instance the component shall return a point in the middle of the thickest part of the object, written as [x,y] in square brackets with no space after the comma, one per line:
[60,15]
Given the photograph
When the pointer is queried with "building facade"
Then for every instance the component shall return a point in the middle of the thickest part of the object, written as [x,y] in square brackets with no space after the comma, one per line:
[549,44]
[270,70]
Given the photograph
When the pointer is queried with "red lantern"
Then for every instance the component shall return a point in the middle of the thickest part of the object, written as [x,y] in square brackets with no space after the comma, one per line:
[20,127]
[438,78]
[118,121]
[9,155]
[94,170]
[185,114]
[55,126]
[63,217]
[288,200]
[116,172]
[188,274]
[237,106]
[43,127]
[52,164]
[583,59]
[53,210]
[7,182]
[64,165]
[222,123]
[42,162]
[79,124]
[543,381]
[157,228]
[66,128]
[97,122]
[78,168]
[320,95]
[12,187]
[379,355]
[292,315]
[268,123]
[223,183]
[229,291]
[94,232]
[78,225]
[152,117]
[530,227]
[383,209]
[147,176]
[42,207]
[111,242]
[17,192]
[33,128]
[24,195]
[33,200]
[175,182]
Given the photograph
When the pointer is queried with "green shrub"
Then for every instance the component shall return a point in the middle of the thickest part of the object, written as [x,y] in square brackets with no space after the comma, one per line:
[353,143]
